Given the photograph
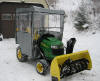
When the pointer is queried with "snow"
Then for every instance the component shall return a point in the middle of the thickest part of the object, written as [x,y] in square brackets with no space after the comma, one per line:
[13,70]
[1,36]
[68,5]
[85,26]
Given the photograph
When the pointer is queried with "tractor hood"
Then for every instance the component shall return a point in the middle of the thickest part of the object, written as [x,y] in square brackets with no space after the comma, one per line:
[51,47]
[52,41]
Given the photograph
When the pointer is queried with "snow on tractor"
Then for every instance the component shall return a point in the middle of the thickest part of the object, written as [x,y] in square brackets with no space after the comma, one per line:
[39,34]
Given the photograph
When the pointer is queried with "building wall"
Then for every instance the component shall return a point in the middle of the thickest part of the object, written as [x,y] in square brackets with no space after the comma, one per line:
[7,16]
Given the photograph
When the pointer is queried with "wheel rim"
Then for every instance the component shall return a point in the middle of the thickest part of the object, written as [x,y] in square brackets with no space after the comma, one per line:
[19,54]
[39,67]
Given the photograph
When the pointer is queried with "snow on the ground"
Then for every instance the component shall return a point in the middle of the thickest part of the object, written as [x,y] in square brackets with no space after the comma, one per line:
[13,70]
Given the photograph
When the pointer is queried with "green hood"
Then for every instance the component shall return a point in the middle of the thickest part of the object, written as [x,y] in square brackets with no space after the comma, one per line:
[50,41]
[46,46]
[54,41]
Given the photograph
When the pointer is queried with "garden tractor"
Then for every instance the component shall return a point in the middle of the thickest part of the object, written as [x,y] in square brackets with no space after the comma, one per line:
[39,33]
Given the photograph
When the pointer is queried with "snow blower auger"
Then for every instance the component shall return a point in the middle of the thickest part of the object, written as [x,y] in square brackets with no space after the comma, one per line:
[39,34]
[69,64]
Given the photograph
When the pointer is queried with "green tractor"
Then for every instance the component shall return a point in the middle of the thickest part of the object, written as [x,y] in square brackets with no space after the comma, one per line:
[39,34]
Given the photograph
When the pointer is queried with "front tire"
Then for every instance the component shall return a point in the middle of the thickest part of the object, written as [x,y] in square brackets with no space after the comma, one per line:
[42,66]
[21,57]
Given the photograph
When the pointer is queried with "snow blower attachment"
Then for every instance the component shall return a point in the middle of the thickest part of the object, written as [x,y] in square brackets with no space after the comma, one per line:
[39,34]
[69,64]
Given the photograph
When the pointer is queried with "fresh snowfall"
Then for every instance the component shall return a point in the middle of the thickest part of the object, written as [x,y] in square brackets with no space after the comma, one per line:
[13,70]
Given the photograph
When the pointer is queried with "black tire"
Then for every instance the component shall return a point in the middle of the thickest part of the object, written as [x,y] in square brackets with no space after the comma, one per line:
[42,66]
[21,57]
[54,78]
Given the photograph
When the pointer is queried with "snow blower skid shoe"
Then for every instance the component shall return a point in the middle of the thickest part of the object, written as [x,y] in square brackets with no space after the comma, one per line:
[69,64]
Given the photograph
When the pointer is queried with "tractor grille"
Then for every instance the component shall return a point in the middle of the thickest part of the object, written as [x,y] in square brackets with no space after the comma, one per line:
[58,51]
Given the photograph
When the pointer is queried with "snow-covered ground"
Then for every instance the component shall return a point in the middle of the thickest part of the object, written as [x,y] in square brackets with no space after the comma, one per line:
[13,70]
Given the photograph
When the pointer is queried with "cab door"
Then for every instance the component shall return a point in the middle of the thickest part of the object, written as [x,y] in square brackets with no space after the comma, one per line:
[23,32]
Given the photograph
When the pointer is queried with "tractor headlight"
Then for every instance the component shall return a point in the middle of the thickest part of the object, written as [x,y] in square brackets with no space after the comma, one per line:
[57,47]
[54,47]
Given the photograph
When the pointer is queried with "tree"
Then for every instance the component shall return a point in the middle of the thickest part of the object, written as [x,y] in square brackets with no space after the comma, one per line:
[81,21]
[84,15]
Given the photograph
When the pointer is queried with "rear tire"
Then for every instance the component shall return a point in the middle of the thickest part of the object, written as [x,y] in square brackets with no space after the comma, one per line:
[21,57]
[42,66]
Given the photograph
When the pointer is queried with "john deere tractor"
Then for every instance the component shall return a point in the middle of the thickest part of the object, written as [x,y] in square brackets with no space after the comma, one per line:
[39,33]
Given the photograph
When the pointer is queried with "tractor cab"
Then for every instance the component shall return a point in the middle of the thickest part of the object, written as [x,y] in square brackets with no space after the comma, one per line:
[42,27]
